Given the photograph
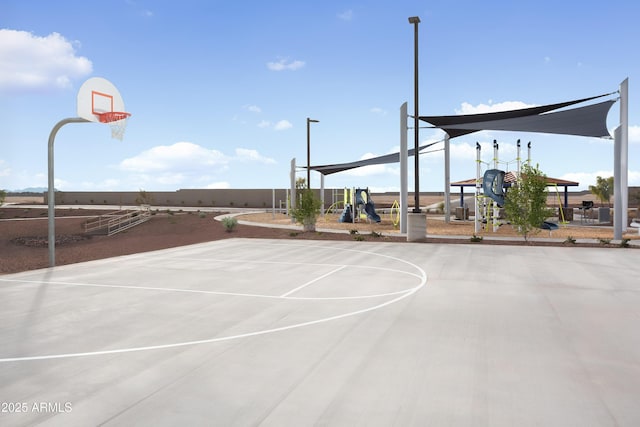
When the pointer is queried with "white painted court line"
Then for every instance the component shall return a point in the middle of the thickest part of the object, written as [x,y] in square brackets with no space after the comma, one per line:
[421,275]
[311,282]
[199,291]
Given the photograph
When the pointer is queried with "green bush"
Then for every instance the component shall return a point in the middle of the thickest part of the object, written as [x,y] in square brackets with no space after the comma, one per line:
[307,209]
[526,202]
[229,223]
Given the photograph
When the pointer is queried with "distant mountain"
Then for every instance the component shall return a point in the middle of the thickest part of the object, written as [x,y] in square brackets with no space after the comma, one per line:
[38,190]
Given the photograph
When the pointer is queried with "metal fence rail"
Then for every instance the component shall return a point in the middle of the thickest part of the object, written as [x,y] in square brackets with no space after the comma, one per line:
[114,222]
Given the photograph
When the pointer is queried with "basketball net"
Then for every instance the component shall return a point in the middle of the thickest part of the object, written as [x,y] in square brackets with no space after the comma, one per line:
[117,121]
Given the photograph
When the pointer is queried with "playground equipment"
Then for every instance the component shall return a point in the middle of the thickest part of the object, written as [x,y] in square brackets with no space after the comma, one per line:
[493,185]
[358,205]
[493,193]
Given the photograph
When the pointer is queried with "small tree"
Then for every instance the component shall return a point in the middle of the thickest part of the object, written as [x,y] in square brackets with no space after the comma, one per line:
[526,202]
[144,198]
[307,206]
[3,195]
[603,189]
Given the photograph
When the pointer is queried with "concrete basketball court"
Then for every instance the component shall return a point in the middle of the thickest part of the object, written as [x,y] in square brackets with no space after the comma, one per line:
[274,332]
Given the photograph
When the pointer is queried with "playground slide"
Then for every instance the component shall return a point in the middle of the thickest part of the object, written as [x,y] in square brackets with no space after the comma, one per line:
[371,212]
[346,214]
[362,198]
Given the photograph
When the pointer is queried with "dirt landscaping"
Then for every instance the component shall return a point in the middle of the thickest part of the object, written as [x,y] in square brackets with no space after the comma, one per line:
[24,246]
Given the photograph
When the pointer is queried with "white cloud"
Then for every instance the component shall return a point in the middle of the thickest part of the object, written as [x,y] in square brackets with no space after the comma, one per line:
[590,178]
[280,125]
[586,178]
[177,157]
[283,125]
[284,64]
[185,165]
[467,108]
[380,111]
[252,155]
[218,185]
[347,15]
[32,62]
[254,108]
[634,134]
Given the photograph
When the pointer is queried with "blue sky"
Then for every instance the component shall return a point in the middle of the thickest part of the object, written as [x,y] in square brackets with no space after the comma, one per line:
[219,91]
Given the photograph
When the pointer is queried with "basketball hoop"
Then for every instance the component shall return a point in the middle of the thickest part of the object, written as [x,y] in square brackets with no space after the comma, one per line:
[116,120]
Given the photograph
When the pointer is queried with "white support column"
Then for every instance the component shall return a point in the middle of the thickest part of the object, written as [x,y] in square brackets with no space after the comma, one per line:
[404,160]
[477,198]
[617,184]
[496,209]
[447,179]
[292,199]
[624,151]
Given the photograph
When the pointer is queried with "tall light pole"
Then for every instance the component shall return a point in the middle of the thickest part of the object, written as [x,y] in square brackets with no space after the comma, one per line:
[415,20]
[309,150]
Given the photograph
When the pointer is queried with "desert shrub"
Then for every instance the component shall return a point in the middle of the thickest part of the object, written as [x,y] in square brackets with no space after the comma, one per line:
[229,223]
[526,202]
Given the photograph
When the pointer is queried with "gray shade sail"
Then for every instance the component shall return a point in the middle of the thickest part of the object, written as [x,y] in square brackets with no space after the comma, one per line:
[387,158]
[590,120]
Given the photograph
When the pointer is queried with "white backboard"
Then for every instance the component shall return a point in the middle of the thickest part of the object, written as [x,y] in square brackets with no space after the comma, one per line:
[98,95]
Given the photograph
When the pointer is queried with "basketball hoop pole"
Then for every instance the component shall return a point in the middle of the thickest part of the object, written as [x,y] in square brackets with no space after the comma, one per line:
[51,192]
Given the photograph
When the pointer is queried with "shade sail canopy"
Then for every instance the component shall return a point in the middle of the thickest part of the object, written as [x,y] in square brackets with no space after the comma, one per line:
[387,158]
[590,120]
[511,177]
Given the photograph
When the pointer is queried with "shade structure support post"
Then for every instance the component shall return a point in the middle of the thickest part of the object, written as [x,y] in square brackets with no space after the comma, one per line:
[477,207]
[404,168]
[617,184]
[292,195]
[51,190]
[496,209]
[447,179]
[624,151]
[322,194]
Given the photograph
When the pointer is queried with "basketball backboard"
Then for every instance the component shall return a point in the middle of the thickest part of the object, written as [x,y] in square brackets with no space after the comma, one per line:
[98,96]
[99,101]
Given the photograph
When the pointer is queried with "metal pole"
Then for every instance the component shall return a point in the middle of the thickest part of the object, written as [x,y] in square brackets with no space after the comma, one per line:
[404,160]
[447,179]
[415,20]
[292,196]
[518,159]
[476,220]
[309,151]
[624,150]
[617,184]
[51,190]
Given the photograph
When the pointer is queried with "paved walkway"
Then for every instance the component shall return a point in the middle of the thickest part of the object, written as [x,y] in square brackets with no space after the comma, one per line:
[268,332]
